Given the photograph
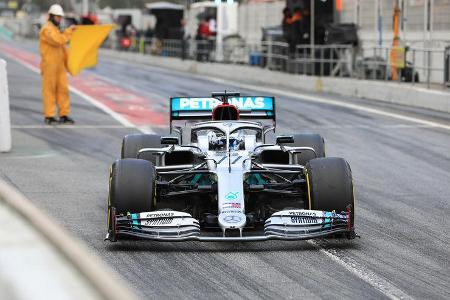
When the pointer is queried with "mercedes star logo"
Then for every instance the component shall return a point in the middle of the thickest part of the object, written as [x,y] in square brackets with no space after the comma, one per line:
[232,219]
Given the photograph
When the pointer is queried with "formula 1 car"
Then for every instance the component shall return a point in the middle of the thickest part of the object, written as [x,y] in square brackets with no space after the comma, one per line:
[219,179]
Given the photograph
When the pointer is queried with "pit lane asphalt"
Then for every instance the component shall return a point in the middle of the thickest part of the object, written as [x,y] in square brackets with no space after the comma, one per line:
[401,172]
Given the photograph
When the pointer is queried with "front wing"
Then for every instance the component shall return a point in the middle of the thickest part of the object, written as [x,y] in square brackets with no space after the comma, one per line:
[173,226]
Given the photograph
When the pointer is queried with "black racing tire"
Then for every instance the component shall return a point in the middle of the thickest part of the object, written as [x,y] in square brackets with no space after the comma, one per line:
[330,185]
[311,140]
[132,143]
[132,186]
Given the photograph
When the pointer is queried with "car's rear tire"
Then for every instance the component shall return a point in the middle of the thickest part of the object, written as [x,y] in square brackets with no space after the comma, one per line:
[132,143]
[330,185]
[311,140]
[132,186]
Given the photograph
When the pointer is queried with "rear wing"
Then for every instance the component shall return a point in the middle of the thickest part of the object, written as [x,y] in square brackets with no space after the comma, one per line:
[196,108]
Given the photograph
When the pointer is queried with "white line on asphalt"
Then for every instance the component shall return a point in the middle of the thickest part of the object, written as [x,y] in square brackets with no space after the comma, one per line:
[89,99]
[103,107]
[70,126]
[109,111]
[351,265]
[37,156]
[362,126]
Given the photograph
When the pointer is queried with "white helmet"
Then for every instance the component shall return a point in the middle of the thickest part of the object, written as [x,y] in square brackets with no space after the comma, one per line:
[56,10]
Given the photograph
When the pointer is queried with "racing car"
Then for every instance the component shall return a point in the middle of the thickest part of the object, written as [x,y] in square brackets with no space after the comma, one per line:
[218,177]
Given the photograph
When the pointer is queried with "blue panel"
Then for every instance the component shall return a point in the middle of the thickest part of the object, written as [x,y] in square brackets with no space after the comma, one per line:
[207,104]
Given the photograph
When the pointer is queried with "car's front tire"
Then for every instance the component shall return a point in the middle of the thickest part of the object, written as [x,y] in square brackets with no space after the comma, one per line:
[131,186]
[330,185]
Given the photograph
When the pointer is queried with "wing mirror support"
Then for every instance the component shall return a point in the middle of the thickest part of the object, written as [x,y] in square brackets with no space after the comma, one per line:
[266,130]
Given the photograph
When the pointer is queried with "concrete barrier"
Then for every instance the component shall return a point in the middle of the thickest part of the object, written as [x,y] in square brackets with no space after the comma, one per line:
[5,122]
[101,278]
[398,93]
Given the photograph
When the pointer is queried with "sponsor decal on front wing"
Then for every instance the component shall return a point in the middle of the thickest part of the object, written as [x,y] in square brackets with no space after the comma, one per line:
[163,219]
[303,217]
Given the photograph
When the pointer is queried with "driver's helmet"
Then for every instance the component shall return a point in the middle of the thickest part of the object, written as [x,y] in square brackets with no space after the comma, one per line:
[216,143]
[237,141]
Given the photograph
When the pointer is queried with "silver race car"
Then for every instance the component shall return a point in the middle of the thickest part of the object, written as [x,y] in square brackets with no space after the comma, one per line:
[218,178]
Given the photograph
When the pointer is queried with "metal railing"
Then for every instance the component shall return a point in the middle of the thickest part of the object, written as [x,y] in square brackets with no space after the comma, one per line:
[370,63]
[324,60]
[447,66]
[420,65]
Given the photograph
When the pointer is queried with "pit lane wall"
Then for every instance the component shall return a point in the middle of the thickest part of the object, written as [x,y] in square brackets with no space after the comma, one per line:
[40,260]
[398,93]
[5,122]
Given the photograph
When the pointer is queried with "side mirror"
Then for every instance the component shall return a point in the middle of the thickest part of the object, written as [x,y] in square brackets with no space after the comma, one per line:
[285,139]
[170,140]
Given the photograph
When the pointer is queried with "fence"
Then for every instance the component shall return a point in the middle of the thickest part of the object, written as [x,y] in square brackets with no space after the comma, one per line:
[416,65]
[376,63]
[447,66]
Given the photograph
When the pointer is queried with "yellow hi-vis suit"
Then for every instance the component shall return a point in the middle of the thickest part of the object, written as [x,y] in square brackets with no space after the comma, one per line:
[55,87]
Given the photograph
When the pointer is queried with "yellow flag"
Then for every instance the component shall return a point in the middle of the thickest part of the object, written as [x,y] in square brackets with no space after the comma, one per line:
[84,44]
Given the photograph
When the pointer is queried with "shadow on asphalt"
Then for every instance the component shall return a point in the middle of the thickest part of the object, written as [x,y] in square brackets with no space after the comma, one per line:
[192,246]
